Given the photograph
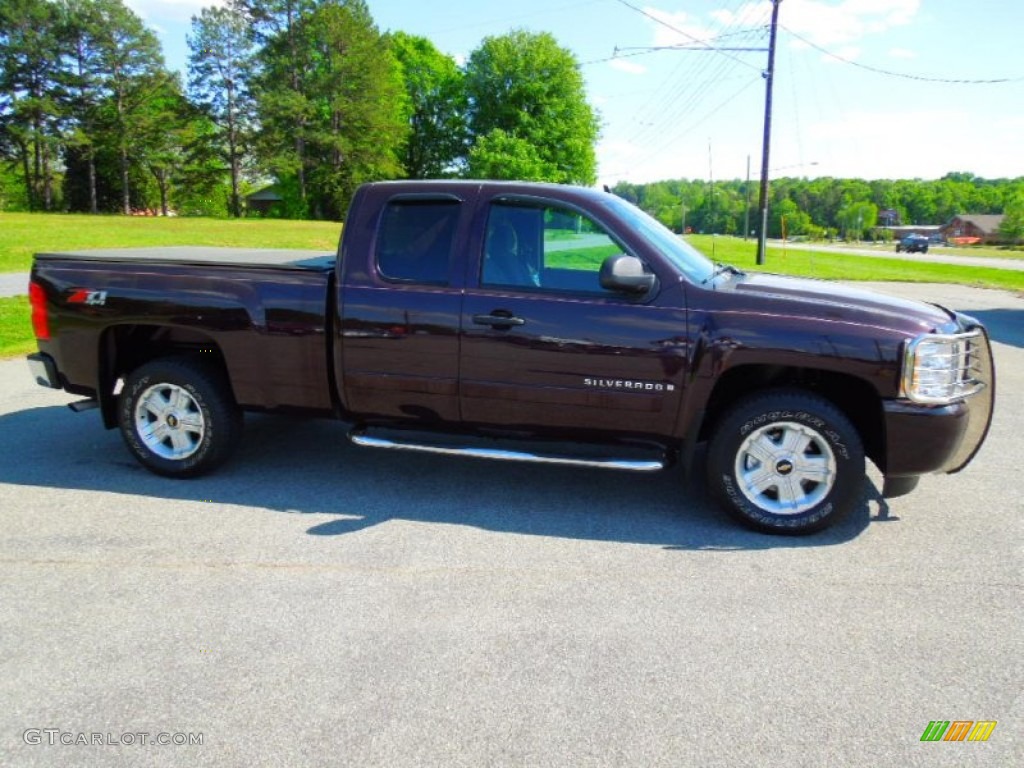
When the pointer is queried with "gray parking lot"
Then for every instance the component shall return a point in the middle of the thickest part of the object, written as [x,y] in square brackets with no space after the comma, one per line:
[314,603]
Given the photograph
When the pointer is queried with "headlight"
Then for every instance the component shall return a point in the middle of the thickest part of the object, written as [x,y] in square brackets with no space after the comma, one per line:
[940,368]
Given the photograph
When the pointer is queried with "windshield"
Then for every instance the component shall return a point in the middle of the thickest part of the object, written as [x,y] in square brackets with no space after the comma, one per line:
[681,254]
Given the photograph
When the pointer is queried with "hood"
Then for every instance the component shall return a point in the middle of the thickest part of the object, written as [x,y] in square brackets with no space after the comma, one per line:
[835,302]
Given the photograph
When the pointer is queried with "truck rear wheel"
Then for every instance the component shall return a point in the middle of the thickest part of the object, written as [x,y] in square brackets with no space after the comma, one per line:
[786,461]
[178,417]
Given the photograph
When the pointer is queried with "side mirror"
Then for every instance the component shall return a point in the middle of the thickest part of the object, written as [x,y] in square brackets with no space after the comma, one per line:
[625,273]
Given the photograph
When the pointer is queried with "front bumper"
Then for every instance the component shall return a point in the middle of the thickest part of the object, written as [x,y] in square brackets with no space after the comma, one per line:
[921,439]
[44,370]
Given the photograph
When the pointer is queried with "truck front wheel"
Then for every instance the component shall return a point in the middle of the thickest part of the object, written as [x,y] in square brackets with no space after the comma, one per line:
[786,461]
[178,417]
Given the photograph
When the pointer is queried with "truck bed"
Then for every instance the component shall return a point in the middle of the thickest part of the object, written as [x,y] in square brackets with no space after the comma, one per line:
[265,310]
[267,258]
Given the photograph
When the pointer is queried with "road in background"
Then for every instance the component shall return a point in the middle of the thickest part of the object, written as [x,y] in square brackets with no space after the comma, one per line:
[13,284]
[934,256]
[314,603]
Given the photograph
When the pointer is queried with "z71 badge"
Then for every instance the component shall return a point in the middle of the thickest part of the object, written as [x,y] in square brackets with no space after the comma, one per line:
[92,298]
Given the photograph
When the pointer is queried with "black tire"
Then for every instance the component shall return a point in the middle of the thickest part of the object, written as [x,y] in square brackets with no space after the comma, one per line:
[788,497]
[925,249]
[178,417]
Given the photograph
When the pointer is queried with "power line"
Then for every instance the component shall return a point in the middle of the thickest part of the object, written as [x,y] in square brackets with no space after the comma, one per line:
[680,97]
[903,75]
[704,43]
[686,93]
[656,151]
[628,52]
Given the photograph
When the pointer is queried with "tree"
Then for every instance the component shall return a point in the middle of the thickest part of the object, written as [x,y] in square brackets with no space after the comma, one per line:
[348,111]
[786,219]
[161,124]
[435,108]
[355,90]
[31,87]
[133,73]
[220,67]
[531,89]
[1012,226]
[86,22]
[855,218]
[283,55]
[499,155]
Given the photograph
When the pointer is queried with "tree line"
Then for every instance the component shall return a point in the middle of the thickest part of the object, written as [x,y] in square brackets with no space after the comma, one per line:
[308,93]
[827,207]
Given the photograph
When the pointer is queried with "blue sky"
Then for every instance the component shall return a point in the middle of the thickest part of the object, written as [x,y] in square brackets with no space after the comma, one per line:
[698,113]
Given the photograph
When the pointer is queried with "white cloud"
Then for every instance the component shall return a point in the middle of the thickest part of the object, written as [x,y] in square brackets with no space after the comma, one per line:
[848,52]
[629,67]
[826,22]
[621,149]
[902,53]
[676,28]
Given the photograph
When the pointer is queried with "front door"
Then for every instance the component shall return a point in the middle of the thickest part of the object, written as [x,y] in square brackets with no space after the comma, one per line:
[546,348]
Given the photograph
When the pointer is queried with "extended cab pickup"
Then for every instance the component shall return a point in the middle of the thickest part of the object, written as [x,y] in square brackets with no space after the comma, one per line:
[521,321]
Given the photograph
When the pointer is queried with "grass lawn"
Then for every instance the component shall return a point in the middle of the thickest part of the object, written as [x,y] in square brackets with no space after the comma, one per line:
[22,234]
[15,327]
[841,266]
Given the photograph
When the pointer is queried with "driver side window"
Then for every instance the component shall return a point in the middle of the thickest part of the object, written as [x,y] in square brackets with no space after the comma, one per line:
[544,247]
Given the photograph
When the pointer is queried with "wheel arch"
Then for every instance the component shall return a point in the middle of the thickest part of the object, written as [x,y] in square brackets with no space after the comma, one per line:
[857,399]
[124,347]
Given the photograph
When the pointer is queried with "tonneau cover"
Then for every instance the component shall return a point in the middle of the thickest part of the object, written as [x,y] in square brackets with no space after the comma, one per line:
[275,258]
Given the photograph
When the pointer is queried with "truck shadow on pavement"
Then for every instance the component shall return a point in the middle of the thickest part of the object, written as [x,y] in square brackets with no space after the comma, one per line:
[308,468]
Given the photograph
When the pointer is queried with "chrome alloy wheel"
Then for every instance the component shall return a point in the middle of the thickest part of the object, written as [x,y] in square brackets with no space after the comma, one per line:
[785,468]
[169,421]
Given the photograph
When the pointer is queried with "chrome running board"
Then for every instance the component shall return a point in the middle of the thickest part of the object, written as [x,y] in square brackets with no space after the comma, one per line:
[359,437]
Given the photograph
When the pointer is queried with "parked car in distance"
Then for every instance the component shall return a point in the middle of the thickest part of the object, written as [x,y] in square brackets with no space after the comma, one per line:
[912,243]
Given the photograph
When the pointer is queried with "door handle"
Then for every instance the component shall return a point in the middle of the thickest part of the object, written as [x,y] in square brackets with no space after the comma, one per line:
[498,321]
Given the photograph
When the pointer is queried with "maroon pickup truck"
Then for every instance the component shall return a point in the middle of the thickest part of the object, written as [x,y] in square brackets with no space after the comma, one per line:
[528,322]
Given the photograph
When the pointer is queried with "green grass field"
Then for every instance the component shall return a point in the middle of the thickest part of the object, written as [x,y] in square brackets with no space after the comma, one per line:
[15,327]
[21,235]
[840,266]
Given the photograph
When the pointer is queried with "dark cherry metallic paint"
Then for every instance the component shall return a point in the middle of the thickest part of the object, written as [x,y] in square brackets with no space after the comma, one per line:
[295,333]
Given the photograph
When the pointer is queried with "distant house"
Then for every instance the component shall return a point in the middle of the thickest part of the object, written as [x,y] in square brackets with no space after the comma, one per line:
[263,200]
[970,228]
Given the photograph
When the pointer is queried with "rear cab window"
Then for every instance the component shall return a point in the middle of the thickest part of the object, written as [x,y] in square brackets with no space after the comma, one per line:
[416,240]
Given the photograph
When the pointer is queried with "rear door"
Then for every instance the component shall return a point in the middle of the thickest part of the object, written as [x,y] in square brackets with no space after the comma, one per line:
[545,348]
[399,317]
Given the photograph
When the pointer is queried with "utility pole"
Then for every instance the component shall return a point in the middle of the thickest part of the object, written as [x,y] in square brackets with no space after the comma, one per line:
[769,77]
[746,208]
[711,188]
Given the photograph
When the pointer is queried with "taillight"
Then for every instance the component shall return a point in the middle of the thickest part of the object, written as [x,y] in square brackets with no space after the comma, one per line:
[40,318]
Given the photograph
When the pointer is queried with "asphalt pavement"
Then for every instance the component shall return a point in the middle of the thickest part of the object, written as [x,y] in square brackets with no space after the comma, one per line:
[318,604]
